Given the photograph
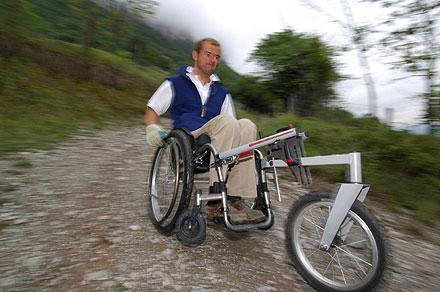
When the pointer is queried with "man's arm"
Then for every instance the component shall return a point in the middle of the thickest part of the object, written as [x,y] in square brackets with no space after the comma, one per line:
[157,105]
[151,117]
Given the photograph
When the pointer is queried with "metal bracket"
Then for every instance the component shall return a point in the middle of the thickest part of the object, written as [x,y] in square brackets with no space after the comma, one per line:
[346,196]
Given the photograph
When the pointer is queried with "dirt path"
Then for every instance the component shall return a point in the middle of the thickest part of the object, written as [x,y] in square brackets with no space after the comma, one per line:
[76,221]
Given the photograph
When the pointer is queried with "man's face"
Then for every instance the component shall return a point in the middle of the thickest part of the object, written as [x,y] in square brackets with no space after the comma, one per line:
[207,59]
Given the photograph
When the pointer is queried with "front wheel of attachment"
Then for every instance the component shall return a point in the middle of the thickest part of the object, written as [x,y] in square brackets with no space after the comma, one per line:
[191,228]
[356,259]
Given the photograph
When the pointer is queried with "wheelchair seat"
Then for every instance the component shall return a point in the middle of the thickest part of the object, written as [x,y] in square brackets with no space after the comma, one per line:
[201,163]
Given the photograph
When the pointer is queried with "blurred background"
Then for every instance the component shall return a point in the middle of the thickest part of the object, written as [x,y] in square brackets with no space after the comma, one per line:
[358,75]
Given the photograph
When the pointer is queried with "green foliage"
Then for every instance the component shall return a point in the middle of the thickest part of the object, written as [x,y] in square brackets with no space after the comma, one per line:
[3,201]
[9,188]
[250,92]
[22,162]
[298,67]
[142,7]
[20,16]
[120,288]
[3,224]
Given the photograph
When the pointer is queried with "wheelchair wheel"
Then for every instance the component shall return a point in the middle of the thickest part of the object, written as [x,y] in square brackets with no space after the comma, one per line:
[356,258]
[170,181]
[191,228]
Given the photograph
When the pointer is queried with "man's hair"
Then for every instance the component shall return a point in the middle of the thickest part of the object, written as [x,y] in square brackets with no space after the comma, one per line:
[198,45]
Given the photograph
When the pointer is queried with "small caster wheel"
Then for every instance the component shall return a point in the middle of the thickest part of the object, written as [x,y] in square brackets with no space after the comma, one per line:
[191,227]
[272,221]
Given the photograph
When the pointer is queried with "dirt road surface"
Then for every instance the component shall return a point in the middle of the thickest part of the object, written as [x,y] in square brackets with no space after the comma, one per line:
[76,221]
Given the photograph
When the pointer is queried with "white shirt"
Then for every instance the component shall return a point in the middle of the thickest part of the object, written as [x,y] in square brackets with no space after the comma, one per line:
[161,100]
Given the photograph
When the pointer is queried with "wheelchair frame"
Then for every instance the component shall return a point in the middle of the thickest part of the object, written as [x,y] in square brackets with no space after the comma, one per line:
[286,149]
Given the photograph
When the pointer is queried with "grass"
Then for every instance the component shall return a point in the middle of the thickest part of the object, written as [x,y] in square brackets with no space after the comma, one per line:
[9,188]
[120,288]
[22,162]
[14,172]
[3,201]
[153,74]
[3,224]
[415,229]
[40,110]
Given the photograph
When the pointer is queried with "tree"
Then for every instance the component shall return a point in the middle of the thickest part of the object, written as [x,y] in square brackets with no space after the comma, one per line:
[142,7]
[121,18]
[357,35]
[299,69]
[412,38]
[118,21]
[20,16]
[251,92]
[87,26]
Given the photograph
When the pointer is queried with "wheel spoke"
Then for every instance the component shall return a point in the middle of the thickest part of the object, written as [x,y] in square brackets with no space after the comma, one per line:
[353,256]
[340,267]
[315,225]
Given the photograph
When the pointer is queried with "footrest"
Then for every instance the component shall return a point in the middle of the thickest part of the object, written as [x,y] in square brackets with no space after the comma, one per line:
[266,224]
[220,220]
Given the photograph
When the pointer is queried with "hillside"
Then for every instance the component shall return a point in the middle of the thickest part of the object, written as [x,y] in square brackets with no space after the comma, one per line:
[47,96]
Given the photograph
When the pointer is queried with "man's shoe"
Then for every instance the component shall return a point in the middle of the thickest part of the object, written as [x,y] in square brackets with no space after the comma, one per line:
[252,216]
[214,212]
[239,213]
[236,216]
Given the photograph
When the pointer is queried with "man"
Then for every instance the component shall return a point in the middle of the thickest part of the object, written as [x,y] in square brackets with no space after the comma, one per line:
[197,101]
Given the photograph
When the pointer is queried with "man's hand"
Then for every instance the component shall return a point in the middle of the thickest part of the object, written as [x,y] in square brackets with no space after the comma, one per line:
[155,135]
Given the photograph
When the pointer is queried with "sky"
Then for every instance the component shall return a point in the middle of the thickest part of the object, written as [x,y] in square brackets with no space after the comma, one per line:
[240,25]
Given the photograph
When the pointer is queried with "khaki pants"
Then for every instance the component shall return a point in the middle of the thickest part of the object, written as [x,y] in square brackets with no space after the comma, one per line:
[226,133]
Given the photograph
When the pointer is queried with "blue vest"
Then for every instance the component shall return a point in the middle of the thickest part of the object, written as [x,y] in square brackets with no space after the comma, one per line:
[187,110]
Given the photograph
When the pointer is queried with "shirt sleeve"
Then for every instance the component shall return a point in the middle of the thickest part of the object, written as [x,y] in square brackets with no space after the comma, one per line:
[228,106]
[161,100]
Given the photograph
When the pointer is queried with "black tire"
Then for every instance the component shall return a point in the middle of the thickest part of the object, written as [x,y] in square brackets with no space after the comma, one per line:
[191,230]
[170,181]
[353,263]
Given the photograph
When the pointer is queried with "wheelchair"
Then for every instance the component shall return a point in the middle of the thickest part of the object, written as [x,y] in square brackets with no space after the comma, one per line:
[171,186]
[334,242]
